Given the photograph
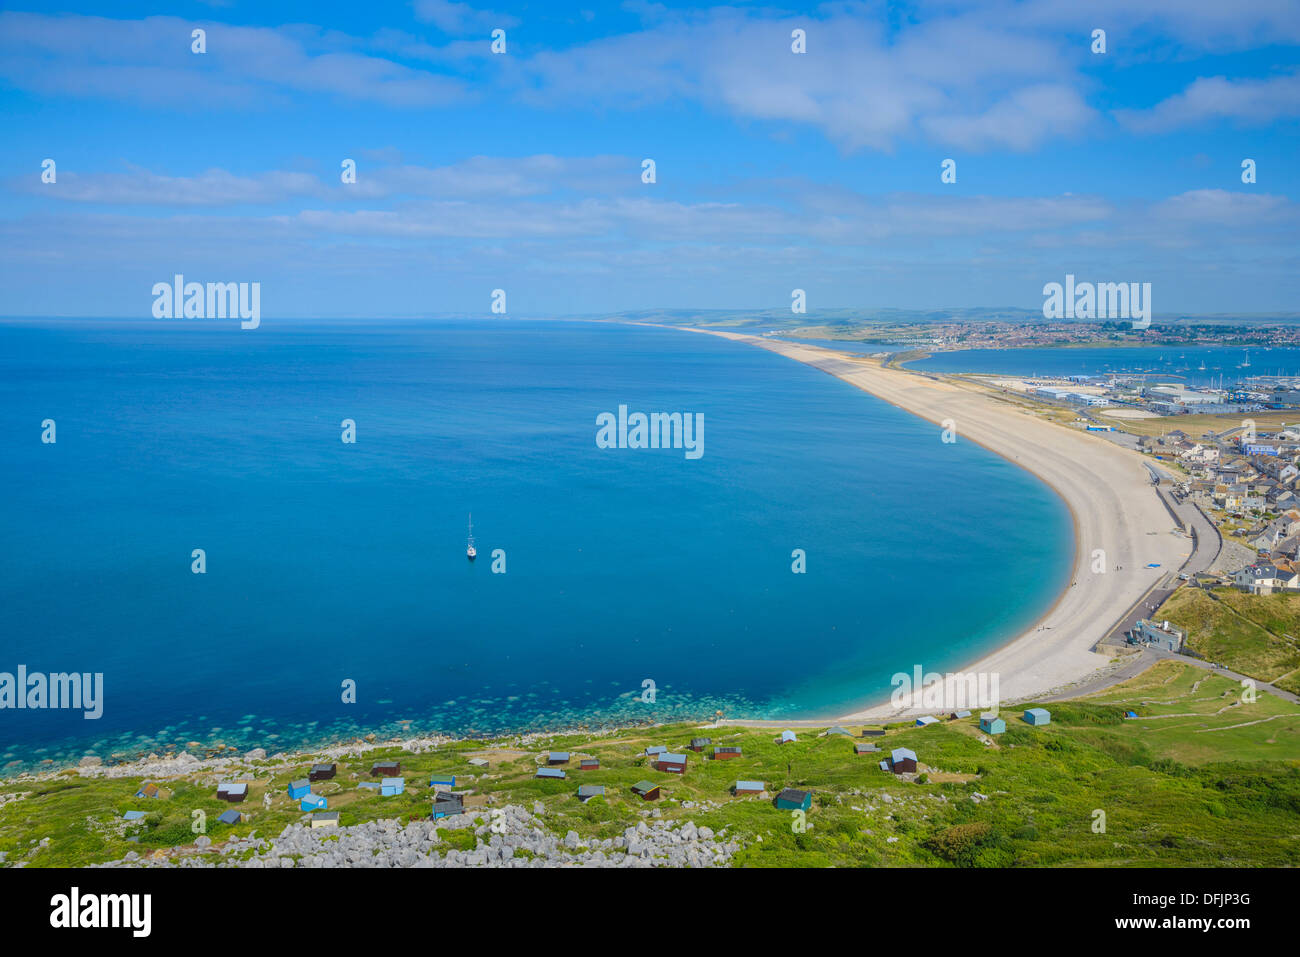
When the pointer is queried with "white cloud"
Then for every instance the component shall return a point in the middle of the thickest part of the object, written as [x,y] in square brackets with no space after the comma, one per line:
[1211,99]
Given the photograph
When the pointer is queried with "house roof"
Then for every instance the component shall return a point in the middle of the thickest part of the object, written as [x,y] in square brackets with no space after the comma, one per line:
[793,794]
[788,736]
[550,773]
[673,758]
[749,785]
[901,754]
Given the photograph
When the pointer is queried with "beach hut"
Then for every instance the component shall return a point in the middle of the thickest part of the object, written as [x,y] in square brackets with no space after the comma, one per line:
[672,763]
[550,773]
[588,791]
[725,754]
[232,791]
[747,787]
[787,737]
[655,749]
[1038,716]
[1130,714]
[299,789]
[390,787]
[321,772]
[884,765]
[902,760]
[699,744]
[956,715]
[386,769]
[837,730]
[589,764]
[792,799]
[370,785]
[873,732]
[861,747]
[315,802]
[558,757]
[230,817]
[442,781]
[480,763]
[136,815]
[325,819]
[646,791]
[148,791]
[925,719]
[992,724]
[445,803]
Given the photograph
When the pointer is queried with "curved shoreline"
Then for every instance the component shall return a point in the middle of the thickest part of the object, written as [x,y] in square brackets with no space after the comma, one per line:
[1105,488]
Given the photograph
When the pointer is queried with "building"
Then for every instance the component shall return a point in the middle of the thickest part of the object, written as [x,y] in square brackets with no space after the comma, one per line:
[655,749]
[925,719]
[445,803]
[646,790]
[558,757]
[1264,578]
[148,791]
[313,802]
[232,791]
[992,724]
[321,772]
[873,732]
[588,791]
[699,744]
[589,764]
[747,787]
[550,773]
[442,781]
[837,730]
[230,817]
[1038,716]
[672,763]
[326,819]
[136,815]
[479,763]
[299,789]
[391,787]
[956,715]
[861,747]
[902,761]
[386,769]
[723,754]
[1158,634]
[787,737]
[792,799]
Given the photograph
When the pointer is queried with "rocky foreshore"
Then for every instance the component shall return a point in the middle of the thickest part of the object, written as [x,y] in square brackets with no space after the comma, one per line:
[509,836]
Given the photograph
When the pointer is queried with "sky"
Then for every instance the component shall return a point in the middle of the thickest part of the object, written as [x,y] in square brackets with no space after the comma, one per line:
[774,170]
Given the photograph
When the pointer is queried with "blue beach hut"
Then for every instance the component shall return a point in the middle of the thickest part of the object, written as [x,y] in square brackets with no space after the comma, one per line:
[550,773]
[231,817]
[133,815]
[314,802]
[1038,716]
[389,787]
[992,724]
[442,781]
[299,789]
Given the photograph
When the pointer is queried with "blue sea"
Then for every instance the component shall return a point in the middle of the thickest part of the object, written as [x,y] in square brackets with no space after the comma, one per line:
[1222,364]
[328,562]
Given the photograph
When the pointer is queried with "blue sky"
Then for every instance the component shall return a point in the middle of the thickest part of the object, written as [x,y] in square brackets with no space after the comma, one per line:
[775,170]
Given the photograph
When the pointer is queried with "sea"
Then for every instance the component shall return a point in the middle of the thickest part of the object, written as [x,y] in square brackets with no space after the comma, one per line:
[1223,365]
[612,585]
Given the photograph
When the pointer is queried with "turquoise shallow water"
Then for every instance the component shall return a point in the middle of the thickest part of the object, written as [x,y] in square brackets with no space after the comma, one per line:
[328,561]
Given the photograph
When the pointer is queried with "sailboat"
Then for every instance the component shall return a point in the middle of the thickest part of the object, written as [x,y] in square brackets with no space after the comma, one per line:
[1246,364]
[470,551]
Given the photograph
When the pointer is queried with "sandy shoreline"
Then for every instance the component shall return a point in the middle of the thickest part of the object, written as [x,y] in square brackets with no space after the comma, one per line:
[1106,488]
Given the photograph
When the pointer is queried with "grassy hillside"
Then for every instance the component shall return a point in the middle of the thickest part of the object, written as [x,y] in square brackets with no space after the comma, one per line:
[1199,778]
[1255,635]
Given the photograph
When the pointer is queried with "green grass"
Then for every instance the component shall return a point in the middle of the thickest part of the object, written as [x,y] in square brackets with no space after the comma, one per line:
[1250,634]
[1201,778]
